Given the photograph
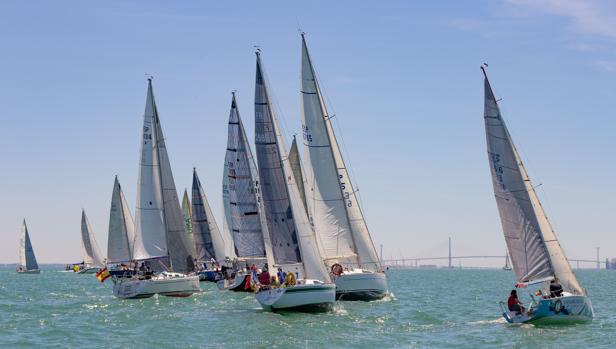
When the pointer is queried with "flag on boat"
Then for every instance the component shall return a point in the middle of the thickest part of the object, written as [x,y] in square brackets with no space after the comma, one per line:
[103,275]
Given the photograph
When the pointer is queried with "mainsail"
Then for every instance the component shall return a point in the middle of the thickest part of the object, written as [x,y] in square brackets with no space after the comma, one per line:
[159,226]
[187,215]
[121,228]
[332,201]
[27,259]
[242,214]
[290,236]
[208,239]
[90,252]
[534,249]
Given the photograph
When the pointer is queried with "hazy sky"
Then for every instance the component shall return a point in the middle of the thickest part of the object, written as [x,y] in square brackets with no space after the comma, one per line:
[402,78]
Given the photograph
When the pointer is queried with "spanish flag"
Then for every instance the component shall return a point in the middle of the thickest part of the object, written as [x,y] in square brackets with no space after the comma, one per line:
[103,275]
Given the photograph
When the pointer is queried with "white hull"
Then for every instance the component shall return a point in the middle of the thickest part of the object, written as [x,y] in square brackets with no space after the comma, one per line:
[565,309]
[166,284]
[31,271]
[360,285]
[89,270]
[312,296]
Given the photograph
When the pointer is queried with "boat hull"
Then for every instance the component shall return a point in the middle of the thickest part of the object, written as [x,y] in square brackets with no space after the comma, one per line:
[361,286]
[560,310]
[209,275]
[316,297]
[238,284]
[176,286]
[89,270]
[31,271]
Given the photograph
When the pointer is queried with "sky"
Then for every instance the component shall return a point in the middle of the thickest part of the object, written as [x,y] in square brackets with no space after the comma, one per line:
[402,78]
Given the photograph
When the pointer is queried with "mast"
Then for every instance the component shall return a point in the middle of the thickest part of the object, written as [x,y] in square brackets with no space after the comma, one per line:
[292,238]
[334,207]
[534,249]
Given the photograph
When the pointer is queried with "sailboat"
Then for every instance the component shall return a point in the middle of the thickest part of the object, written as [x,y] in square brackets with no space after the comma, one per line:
[121,235]
[536,255]
[290,243]
[507,266]
[209,242]
[159,227]
[27,260]
[332,203]
[243,211]
[90,252]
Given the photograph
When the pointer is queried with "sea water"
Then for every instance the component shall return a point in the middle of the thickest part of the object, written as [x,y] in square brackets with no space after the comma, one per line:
[436,308]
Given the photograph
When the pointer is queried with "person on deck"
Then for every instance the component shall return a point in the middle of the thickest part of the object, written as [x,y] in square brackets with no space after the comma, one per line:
[282,276]
[556,289]
[514,304]
[264,277]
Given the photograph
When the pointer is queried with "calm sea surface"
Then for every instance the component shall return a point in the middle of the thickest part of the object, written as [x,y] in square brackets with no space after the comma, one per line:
[428,309]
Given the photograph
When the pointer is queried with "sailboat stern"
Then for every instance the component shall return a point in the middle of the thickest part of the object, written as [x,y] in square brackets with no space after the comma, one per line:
[312,296]
[361,285]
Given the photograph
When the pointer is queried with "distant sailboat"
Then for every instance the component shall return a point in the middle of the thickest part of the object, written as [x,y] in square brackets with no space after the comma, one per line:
[208,238]
[159,226]
[290,243]
[536,254]
[27,260]
[243,211]
[121,232]
[90,252]
[332,202]
[507,266]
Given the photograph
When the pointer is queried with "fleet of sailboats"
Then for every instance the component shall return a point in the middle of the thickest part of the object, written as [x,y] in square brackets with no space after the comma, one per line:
[536,254]
[299,216]
[27,260]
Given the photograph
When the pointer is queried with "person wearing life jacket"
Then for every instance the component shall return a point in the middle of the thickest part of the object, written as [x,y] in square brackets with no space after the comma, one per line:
[290,280]
[264,278]
[282,276]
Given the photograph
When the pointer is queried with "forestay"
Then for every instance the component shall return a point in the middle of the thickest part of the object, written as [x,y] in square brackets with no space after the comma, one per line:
[533,247]
[290,234]
[331,200]
[26,253]
[159,226]
[121,228]
[90,252]
[208,239]
[240,197]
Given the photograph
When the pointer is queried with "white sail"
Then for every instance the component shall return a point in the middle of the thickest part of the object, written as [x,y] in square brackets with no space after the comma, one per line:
[187,215]
[27,259]
[159,226]
[533,247]
[332,202]
[208,238]
[290,234]
[298,172]
[240,190]
[121,228]
[90,252]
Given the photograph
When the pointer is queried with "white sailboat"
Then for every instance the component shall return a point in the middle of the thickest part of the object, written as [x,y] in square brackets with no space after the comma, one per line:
[121,235]
[91,254]
[159,226]
[290,242]
[241,201]
[507,266]
[27,260]
[536,254]
[209,242]
[332,203]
